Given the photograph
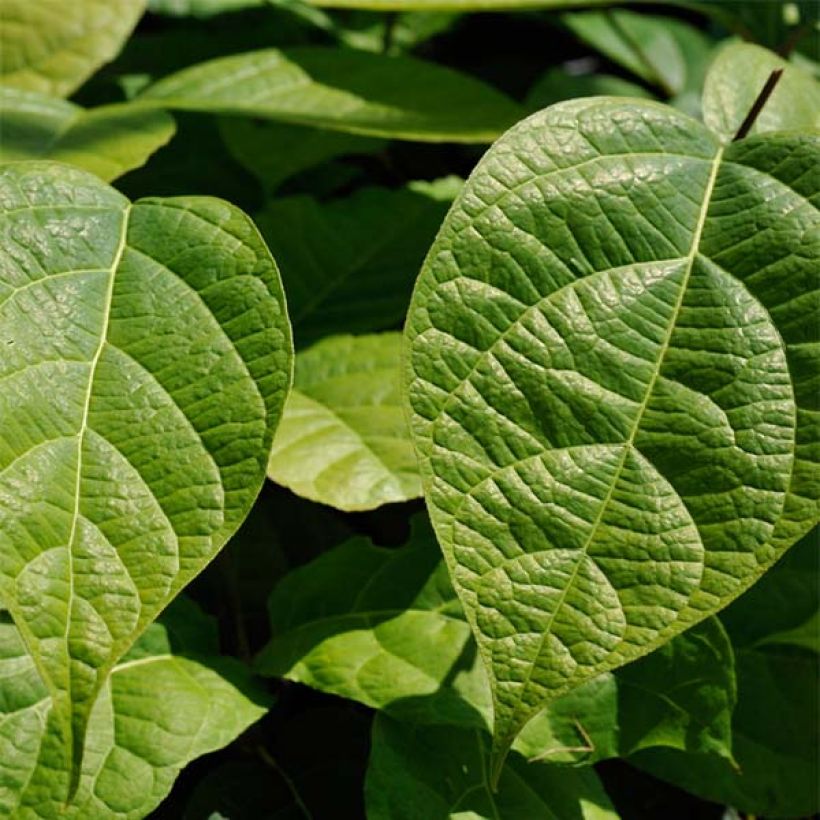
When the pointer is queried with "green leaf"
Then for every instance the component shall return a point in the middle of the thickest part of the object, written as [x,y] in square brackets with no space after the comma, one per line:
[601,399]
[660,50]
[384,627]
[680,696]
[426,772]
[558,85]
[343,90]
[457,5]
[146,359]
[157,711]
[775,725]
[349,265]
[200,8]
[108,141]
[343,440]
[52,47]
[274,152]
[734,81]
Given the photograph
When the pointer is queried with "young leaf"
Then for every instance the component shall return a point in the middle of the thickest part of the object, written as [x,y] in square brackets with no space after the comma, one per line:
[775,724]
[446,772]
[52,46]
[146,359]
[159,710]
[108,141]
[343,439]
[273,152]
[343,90]
[349,265]
[600,393]
[734,81]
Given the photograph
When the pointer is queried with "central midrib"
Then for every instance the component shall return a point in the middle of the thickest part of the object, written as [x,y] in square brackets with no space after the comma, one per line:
[81,434]
[629,443]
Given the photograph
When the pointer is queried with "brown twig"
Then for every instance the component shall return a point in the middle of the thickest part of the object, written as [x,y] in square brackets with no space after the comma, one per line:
[757,105]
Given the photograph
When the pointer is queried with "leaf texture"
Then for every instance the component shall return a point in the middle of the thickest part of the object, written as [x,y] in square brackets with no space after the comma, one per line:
[52,46]
[146,359]
[343,90]
[108,140]
[607,345]
[343,440]
[158,711]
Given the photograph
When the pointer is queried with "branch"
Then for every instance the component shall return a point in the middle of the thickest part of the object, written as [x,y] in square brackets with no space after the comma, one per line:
[757,105]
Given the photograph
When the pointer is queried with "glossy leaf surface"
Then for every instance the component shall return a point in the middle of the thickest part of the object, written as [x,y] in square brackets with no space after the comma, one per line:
[108,141]
[147,357]
[343,440]
[52,46]
[343,90]
[169,701]
[602,399]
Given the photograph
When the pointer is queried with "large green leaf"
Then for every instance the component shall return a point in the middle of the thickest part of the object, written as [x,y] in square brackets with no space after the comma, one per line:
[601,394]
[349,265]
[343,439]
[427,773]
[108,141]
[200,8]
[384,627]
[171,700]
[343,90]
[734,81]
[661,50]
[775,725]
[146,359]
[52,46]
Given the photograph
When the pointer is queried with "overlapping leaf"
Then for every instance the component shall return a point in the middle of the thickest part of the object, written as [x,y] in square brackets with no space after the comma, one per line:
[168,702]
[108,141]
[52,46]
[734,80]
[343,439]
[607,353]
[146,359]
[447,772]
[775,724]
[384,627]
[343,90]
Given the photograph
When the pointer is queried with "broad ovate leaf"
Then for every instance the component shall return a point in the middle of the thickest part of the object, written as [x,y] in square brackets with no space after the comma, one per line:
[734,81]
[108,141]
[52,46]
[343,440]
[348,265]
[161,707]
[447,772]
[343,90]
[146,358]
[607,344]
